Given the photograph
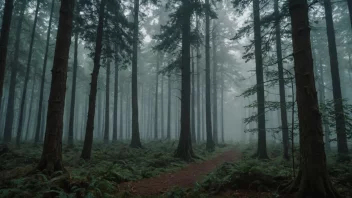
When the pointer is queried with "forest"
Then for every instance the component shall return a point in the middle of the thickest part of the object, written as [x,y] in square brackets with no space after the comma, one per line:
[176,98]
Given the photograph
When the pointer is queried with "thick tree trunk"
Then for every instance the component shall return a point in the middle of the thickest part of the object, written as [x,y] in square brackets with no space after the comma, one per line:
[88,140]
[107,104]
[11,98]
[184,149]
[73,91]
[215,88]
[4,40]
[312,179]
[210,142]
[193,129]
[116,86]
[261,152]
[26,79]
[135,141]
[169,102]
[156,98]
[336,86]
[42,84]
[51,159]
[283,111]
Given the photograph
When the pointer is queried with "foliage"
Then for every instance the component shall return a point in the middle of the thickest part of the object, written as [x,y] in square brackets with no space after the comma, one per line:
[110,165]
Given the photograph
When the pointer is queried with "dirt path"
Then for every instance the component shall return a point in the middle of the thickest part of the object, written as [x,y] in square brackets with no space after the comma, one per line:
[184,178]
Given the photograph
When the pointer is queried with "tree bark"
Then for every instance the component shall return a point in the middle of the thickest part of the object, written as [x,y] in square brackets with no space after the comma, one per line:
[116,86]
[51,159]
[283,111]
[135,141]
[107,104]
[11,98]
[312,179]
[162,129]
[30,112]
[261,152]
[88,140]
[210,142]
[4,40]
[198,87]
[215,88]
[184,149]
[336,86]
[42,84]
[74,82]
[28,70]
[121,111]
[222,106]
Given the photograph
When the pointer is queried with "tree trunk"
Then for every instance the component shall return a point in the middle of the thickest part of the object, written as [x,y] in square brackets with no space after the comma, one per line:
[162,109]
[312,179]
[184,149]
[210,142]
[335,76]
[322,102]
[283,111]
[193,129]
[107,103]
[349,3]
[88,140]
[28,70]
[51,159]
[261,152]
[11,98]
[215,88]
[4,40]
[73,91]
[116,86]
[198,87]
[30,112]
[222,106]
[169,102]
[156,99]
[135,141]
[121,111]
[40,106]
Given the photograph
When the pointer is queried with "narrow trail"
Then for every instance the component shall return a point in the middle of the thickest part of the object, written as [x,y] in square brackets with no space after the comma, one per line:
[184,178]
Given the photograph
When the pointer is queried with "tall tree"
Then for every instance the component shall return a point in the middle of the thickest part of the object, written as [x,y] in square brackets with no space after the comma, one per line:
[156,97]
[281,81]
[74,81]
[14,69]
[312,179]
[4,40]
[222,105]
[261,150]
[215,87]
[184,149]
[349,3]
[51,159]
[107,102]
[28,69]
[193,125]
[169,102]
[198,87]
[42,84]
[162,108]
[210,142]
[88,140]
[135,141]
[336,86]
[116,89]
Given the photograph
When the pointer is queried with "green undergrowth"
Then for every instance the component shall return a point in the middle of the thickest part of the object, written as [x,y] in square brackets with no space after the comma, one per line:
[109,165]
[253,175]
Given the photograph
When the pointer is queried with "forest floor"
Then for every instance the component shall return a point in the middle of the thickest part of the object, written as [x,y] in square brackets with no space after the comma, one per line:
[184,178]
